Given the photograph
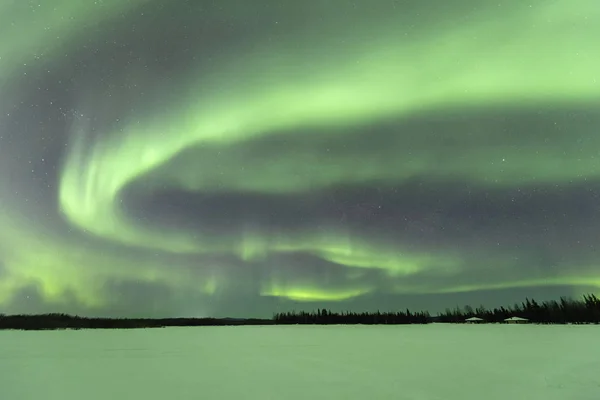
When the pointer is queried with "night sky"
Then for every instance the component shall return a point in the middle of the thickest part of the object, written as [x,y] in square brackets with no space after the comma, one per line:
[239,158]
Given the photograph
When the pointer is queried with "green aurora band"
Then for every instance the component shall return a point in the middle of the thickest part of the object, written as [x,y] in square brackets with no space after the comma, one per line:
[342,73]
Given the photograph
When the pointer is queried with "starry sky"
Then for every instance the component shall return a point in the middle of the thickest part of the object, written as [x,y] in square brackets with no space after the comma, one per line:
[239,158]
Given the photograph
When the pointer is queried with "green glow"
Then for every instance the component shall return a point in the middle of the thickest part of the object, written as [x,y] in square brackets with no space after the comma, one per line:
[314,88]
[313,294]
[260,97]
[584,281]
[81,271]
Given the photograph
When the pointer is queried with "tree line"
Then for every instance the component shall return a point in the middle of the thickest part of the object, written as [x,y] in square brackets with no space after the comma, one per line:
[326,317]
[65,321]
[565,311]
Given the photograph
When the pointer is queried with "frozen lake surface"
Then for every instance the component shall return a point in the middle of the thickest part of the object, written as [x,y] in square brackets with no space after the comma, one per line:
[304,362]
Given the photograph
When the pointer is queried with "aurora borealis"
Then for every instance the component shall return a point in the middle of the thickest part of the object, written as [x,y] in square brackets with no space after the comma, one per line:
[240,157]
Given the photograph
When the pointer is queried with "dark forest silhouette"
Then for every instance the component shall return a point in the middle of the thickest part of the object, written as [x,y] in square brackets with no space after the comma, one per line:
[65,321]
[564,311]
[326,317]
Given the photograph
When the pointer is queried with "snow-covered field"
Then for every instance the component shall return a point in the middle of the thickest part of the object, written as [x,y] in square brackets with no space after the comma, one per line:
[304,362]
